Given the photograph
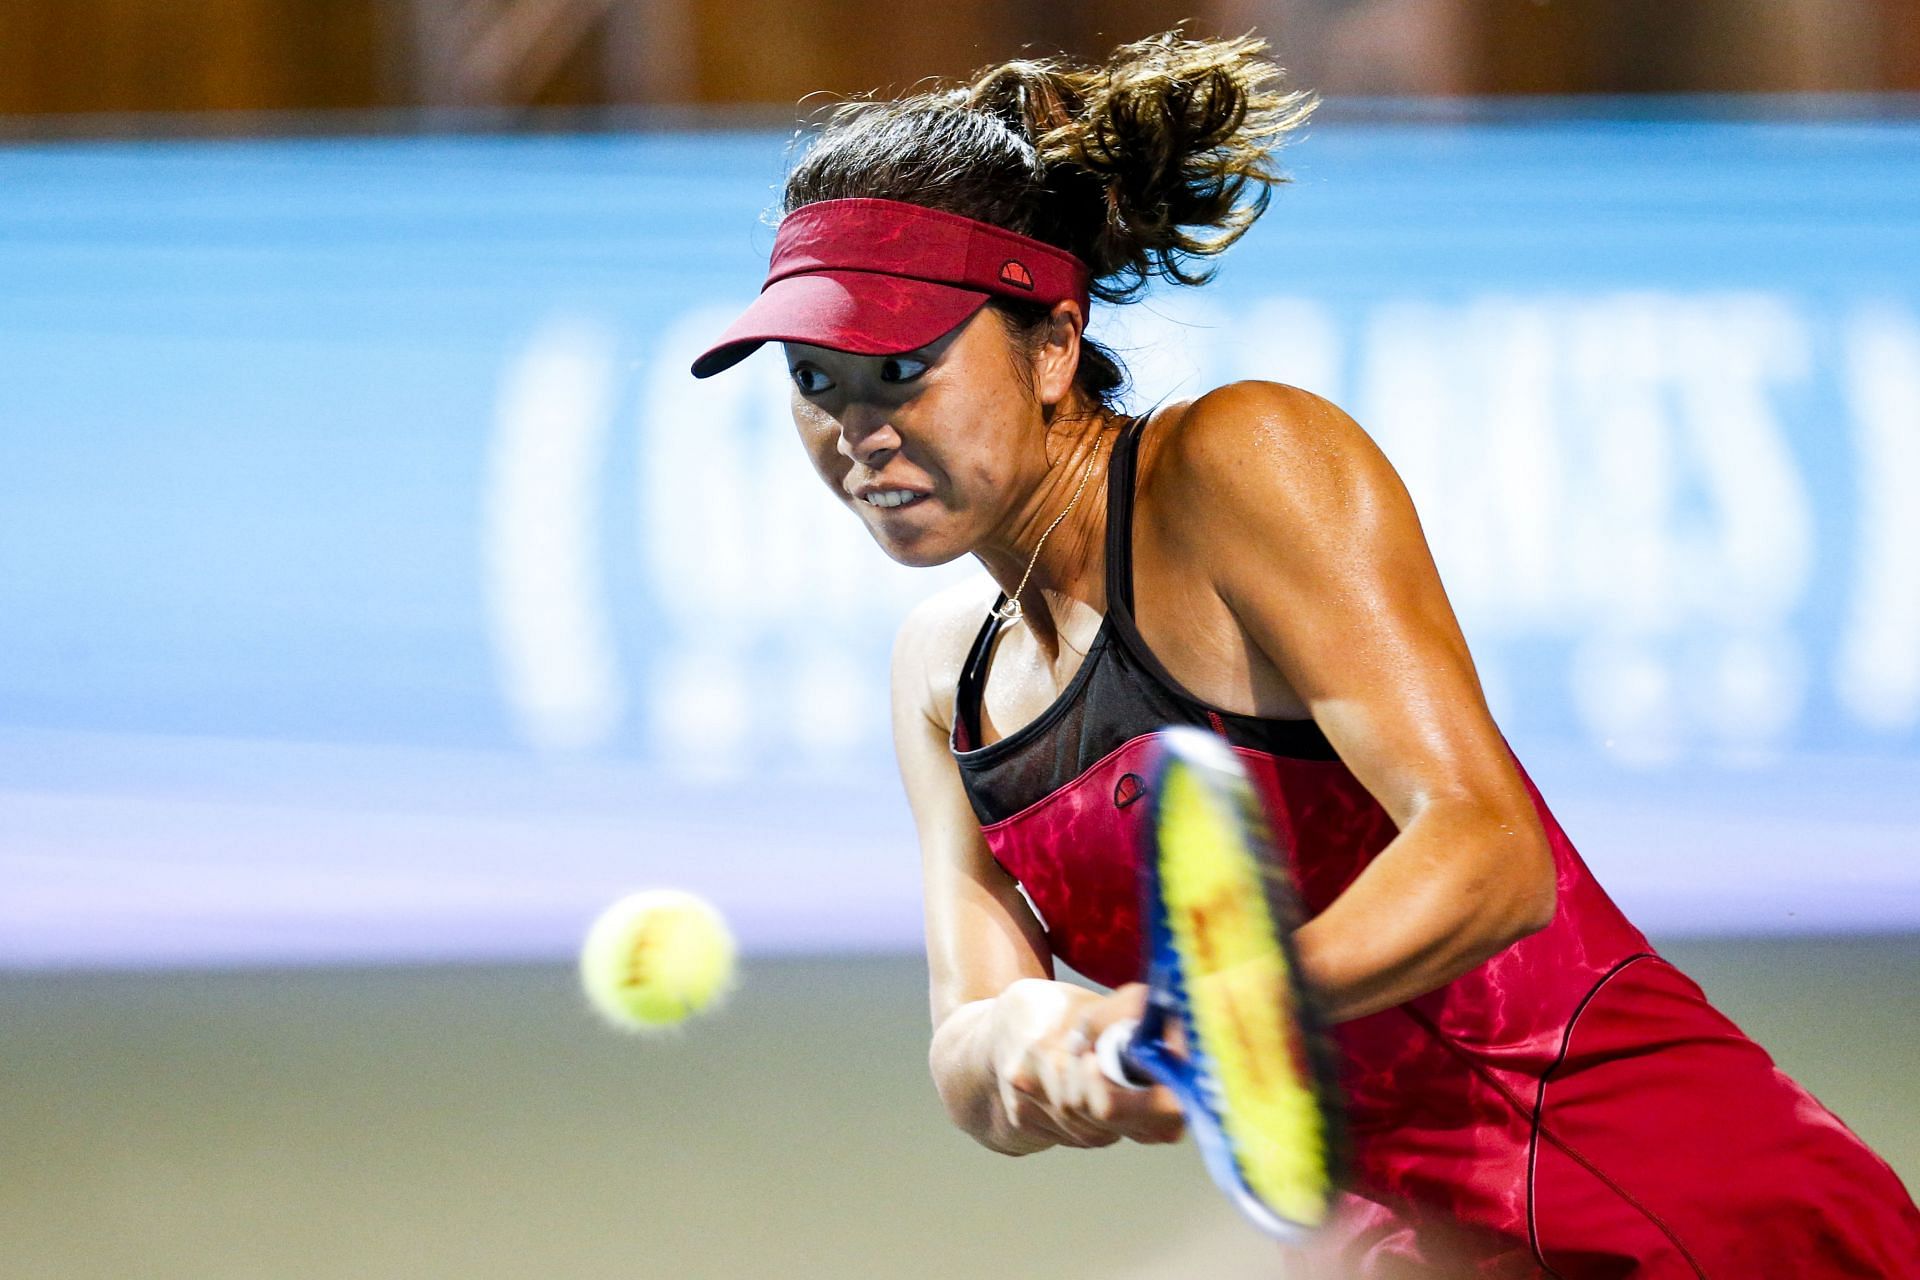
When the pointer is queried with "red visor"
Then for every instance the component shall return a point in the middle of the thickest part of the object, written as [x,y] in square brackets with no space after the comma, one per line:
[876,277]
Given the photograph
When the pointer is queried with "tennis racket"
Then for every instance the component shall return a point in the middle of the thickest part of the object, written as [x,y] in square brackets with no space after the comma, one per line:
[1255,1078]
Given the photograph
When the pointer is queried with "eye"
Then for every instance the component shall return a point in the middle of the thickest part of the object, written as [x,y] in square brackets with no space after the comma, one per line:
[809,379]
[901,369]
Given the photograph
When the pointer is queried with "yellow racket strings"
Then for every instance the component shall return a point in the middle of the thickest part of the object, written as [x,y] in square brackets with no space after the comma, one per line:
[1240,997]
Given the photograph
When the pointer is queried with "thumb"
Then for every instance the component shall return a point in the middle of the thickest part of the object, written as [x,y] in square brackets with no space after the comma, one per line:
[1123,1004]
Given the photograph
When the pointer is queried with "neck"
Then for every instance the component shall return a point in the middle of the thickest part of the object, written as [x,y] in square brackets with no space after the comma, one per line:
[1069,567]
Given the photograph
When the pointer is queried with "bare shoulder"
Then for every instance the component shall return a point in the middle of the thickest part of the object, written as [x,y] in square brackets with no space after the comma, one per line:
[932,646]
[1271,446]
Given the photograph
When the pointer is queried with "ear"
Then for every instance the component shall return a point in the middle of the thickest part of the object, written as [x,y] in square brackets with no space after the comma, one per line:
[1059,357]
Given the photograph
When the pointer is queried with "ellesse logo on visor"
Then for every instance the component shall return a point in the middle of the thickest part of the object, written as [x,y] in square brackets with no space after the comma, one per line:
[1016,274]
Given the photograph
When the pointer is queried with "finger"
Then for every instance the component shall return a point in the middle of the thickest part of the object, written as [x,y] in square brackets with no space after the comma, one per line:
[1030,1117]
[1019,1091]
[1069,1106]
[1093,1140]
[1074,1084]
[1177,1036]
[1143,1115]
[1163,1119]
[1088,1136]
[1046,1077]
[1124,1004]
[1074,1107]
[1077,1129]
[1039,1101]
[1063,1078]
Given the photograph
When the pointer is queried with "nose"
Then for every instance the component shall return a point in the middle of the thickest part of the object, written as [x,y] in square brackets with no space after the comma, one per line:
[867,436]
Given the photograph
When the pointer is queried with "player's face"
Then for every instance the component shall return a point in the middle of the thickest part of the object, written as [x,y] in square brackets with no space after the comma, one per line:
[928,448]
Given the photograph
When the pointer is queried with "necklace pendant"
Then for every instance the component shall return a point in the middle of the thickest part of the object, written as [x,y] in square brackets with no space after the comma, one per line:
[1010,611]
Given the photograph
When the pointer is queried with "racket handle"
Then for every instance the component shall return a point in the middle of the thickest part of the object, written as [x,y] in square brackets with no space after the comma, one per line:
[1110,1051]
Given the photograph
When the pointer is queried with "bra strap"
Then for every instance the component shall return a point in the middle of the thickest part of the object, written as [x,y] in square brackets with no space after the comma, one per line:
[966,696]
[1120,473]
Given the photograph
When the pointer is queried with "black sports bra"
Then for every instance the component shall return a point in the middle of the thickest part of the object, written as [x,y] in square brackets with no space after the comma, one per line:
[1120,692]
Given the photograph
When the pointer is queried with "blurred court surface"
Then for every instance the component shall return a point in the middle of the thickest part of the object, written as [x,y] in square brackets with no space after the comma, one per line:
[476,1123]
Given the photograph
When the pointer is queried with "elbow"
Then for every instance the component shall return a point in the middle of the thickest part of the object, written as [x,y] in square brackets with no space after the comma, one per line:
[1537,910]
[1501,876]
[1512,879]
[1534,880]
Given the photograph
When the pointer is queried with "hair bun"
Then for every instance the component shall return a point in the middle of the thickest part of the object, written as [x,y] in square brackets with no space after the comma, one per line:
[1031,98]
[1159,158]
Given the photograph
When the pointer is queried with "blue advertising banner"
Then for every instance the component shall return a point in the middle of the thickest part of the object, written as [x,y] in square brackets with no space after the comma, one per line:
[375,583]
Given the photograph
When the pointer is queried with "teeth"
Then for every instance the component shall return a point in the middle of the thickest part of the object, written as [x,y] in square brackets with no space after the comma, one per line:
[891,498]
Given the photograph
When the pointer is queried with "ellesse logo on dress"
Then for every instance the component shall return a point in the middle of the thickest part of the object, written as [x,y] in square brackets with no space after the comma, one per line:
[1016,274]
[1130,788]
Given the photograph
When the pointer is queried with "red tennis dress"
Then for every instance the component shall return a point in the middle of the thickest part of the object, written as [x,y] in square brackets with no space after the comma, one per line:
[1572,1107]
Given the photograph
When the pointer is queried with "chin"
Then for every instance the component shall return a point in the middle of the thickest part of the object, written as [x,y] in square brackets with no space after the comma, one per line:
[917,553]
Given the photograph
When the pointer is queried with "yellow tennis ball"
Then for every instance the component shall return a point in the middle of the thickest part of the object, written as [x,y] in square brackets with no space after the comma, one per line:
[654,959]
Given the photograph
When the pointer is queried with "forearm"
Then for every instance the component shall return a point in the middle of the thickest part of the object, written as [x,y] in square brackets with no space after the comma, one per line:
[1450,891]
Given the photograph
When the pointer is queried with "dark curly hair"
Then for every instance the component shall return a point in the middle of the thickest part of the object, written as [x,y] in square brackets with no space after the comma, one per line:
[1148,165]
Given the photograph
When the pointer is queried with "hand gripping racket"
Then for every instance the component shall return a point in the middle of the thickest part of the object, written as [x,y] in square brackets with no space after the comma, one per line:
[1255,1080]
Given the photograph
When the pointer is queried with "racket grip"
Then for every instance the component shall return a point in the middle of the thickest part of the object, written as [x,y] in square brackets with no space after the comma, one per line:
[1110,1051]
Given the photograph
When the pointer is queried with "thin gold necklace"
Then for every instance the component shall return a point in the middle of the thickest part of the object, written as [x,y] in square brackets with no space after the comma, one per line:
[1011,610]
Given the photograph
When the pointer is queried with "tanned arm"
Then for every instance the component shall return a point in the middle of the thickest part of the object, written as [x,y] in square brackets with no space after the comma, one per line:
[1309,538]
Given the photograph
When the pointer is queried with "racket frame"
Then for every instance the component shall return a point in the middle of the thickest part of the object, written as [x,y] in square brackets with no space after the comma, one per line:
[1146,1055]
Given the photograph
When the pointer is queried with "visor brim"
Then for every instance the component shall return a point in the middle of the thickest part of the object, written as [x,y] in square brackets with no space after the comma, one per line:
[862,312]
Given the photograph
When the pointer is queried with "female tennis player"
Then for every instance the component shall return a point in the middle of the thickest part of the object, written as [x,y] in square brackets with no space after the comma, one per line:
[1531,1088]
